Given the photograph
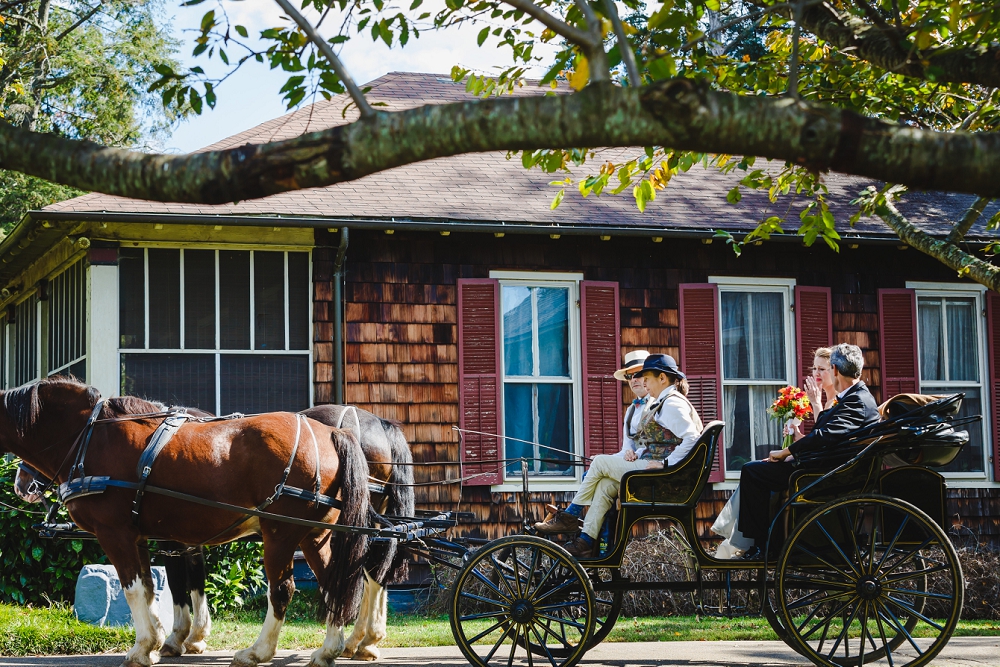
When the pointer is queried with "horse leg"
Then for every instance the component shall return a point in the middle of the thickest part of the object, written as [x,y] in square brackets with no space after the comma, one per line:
[201,621]
[318,556]
[364,619]
[374,629]
[278,554]
[132,564]
[177,580]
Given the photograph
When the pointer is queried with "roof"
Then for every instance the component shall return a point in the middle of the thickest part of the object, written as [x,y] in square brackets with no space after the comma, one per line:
[490,189]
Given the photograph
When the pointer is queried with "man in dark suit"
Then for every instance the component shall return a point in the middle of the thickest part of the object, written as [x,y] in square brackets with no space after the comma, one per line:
[853,409]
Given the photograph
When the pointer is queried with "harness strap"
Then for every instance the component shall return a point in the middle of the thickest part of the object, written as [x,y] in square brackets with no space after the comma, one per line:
[84,440]
[318,483]
[357,420]
[161,436]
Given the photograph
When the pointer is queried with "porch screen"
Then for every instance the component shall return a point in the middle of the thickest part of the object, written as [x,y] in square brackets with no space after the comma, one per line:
[221,330]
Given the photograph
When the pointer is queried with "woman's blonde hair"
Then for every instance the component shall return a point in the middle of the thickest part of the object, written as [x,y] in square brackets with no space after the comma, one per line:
[823,353]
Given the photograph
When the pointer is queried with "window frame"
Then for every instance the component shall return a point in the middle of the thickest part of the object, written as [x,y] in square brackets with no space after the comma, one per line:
[218,351]
[82,324]
[963,291]
[547,279]
[784,286]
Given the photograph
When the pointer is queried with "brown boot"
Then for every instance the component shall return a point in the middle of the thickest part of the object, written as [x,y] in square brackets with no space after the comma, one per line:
[562,522]
[581,549]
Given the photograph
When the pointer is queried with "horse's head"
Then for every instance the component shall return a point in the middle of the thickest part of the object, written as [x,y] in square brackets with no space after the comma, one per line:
[27,487]
[44,417]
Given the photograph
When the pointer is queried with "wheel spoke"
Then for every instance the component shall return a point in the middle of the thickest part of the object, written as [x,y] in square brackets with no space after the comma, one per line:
[499,642]
[513,645]
[915,573]
[499,569]
[910,610]
[836,546]
[564,622]
[900,628]
[829,619]
[489,584]
[906,556]
[482,634]
[843,633]
[559,587]
[919,594]
[487,614]
[846,525]
[825,562]
[473,596]
[892,544]
[864,630]
[548,630]
[818,601]
[548,653]
[881,632]
[825,583]
[542,581]
[562,605]
[517,575]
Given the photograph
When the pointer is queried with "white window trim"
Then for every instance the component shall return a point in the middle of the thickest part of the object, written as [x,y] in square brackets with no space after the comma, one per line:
[784,286]
[931,289]
[217,352]
[543,279]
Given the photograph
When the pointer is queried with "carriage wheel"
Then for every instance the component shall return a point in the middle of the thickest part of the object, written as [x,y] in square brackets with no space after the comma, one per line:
[523,591]
[607,604]
[869,579]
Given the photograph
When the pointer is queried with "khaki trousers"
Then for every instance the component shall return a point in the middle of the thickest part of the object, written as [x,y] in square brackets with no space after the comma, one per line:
[600,488]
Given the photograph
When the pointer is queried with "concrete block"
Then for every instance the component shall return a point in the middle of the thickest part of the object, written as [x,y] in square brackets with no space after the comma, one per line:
[100,599]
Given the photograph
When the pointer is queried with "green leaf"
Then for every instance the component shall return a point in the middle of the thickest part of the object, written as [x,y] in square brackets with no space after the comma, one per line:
[208,21]
[415,4]
[734,195]
[483,34]
[557,200]
[37,553]
[195,99]
[242,31]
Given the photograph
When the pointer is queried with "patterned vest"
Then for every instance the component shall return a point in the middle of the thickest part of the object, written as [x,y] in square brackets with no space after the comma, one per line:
[658,440]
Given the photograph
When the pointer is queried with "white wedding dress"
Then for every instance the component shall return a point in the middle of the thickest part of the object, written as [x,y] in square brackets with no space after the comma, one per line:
[725,526]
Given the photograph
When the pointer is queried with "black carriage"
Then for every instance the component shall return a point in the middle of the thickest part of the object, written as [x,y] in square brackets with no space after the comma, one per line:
[865,573]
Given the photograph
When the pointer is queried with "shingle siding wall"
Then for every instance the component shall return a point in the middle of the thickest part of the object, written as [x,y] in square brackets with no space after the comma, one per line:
[401,331]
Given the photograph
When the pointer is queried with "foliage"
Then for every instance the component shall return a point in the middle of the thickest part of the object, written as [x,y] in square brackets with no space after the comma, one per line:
[235,574]
[81,73]
[36,570]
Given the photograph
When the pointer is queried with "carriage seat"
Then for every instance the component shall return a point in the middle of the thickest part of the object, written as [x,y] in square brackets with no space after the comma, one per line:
[680,484]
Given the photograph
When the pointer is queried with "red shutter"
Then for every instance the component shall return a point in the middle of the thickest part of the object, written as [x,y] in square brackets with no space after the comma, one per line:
[479,382]
[993,335]
[813,329]
[701,355]
[897,313]
[602,393]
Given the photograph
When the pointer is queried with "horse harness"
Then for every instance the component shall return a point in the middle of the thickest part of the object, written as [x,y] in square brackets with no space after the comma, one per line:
[79,484]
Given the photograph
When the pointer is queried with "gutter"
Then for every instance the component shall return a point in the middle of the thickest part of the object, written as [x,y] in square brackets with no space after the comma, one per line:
[424,226]
[338,319]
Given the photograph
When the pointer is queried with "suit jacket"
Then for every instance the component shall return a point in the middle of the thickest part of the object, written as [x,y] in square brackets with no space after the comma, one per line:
[854,410]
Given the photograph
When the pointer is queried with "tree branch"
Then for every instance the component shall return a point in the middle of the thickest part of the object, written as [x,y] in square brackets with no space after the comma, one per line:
[963,226]
[599,71]
[975,64]
[679,114]
[324,47]
[559,27]
[80,21]
[965,264]
[624,48]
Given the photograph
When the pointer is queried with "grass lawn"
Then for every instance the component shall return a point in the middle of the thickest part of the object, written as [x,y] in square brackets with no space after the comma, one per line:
[25,631]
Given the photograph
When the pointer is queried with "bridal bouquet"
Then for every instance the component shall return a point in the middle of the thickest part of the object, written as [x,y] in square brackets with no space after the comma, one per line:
[791,407]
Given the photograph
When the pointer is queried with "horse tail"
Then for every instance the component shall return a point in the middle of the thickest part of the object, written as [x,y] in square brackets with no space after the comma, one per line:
[401,494]
[342,582]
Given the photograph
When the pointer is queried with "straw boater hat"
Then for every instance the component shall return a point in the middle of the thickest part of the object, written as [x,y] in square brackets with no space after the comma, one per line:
[633,362]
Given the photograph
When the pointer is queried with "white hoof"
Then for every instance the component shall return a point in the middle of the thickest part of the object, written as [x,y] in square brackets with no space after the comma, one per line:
[195,647]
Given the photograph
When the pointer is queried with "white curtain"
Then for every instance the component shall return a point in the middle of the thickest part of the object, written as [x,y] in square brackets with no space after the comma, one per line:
[768,355]
[929,331]
[962,358]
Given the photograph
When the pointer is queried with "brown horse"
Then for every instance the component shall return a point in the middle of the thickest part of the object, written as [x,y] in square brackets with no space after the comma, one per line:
[238,462]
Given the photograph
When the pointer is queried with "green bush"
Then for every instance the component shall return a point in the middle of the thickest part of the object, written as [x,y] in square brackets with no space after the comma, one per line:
[235,573]
[36,570]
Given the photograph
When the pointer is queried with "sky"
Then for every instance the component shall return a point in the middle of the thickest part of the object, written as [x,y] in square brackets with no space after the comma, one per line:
[250,97]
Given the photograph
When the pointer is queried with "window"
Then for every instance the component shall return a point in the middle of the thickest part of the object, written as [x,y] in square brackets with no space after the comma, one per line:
[25,354]
[222,330]
[67,344]
[951,359]
[757,360]
[539,375]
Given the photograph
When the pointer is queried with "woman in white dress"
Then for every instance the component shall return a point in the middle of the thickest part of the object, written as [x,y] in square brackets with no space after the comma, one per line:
[821,392]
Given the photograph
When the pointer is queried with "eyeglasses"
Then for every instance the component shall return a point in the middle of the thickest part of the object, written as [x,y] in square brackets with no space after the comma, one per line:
[633,376]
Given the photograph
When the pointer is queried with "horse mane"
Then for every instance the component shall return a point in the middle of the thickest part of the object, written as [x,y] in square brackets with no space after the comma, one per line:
[123,406]
[23,403]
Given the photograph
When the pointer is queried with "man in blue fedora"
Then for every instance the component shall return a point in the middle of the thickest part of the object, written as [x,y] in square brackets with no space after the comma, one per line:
[667,431]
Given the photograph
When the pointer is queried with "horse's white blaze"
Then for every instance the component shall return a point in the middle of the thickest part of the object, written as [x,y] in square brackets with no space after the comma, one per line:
[182,623]
[263,649]
[148,631]
[201,624]
[332,648]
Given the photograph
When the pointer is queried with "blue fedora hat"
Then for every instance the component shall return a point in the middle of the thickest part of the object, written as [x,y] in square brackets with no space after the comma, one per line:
[662,363]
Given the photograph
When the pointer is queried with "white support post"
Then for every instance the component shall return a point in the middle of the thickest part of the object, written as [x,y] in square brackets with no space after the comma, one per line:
[103,367]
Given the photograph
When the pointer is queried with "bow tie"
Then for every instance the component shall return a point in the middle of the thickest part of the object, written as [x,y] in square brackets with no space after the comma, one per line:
[638,401]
